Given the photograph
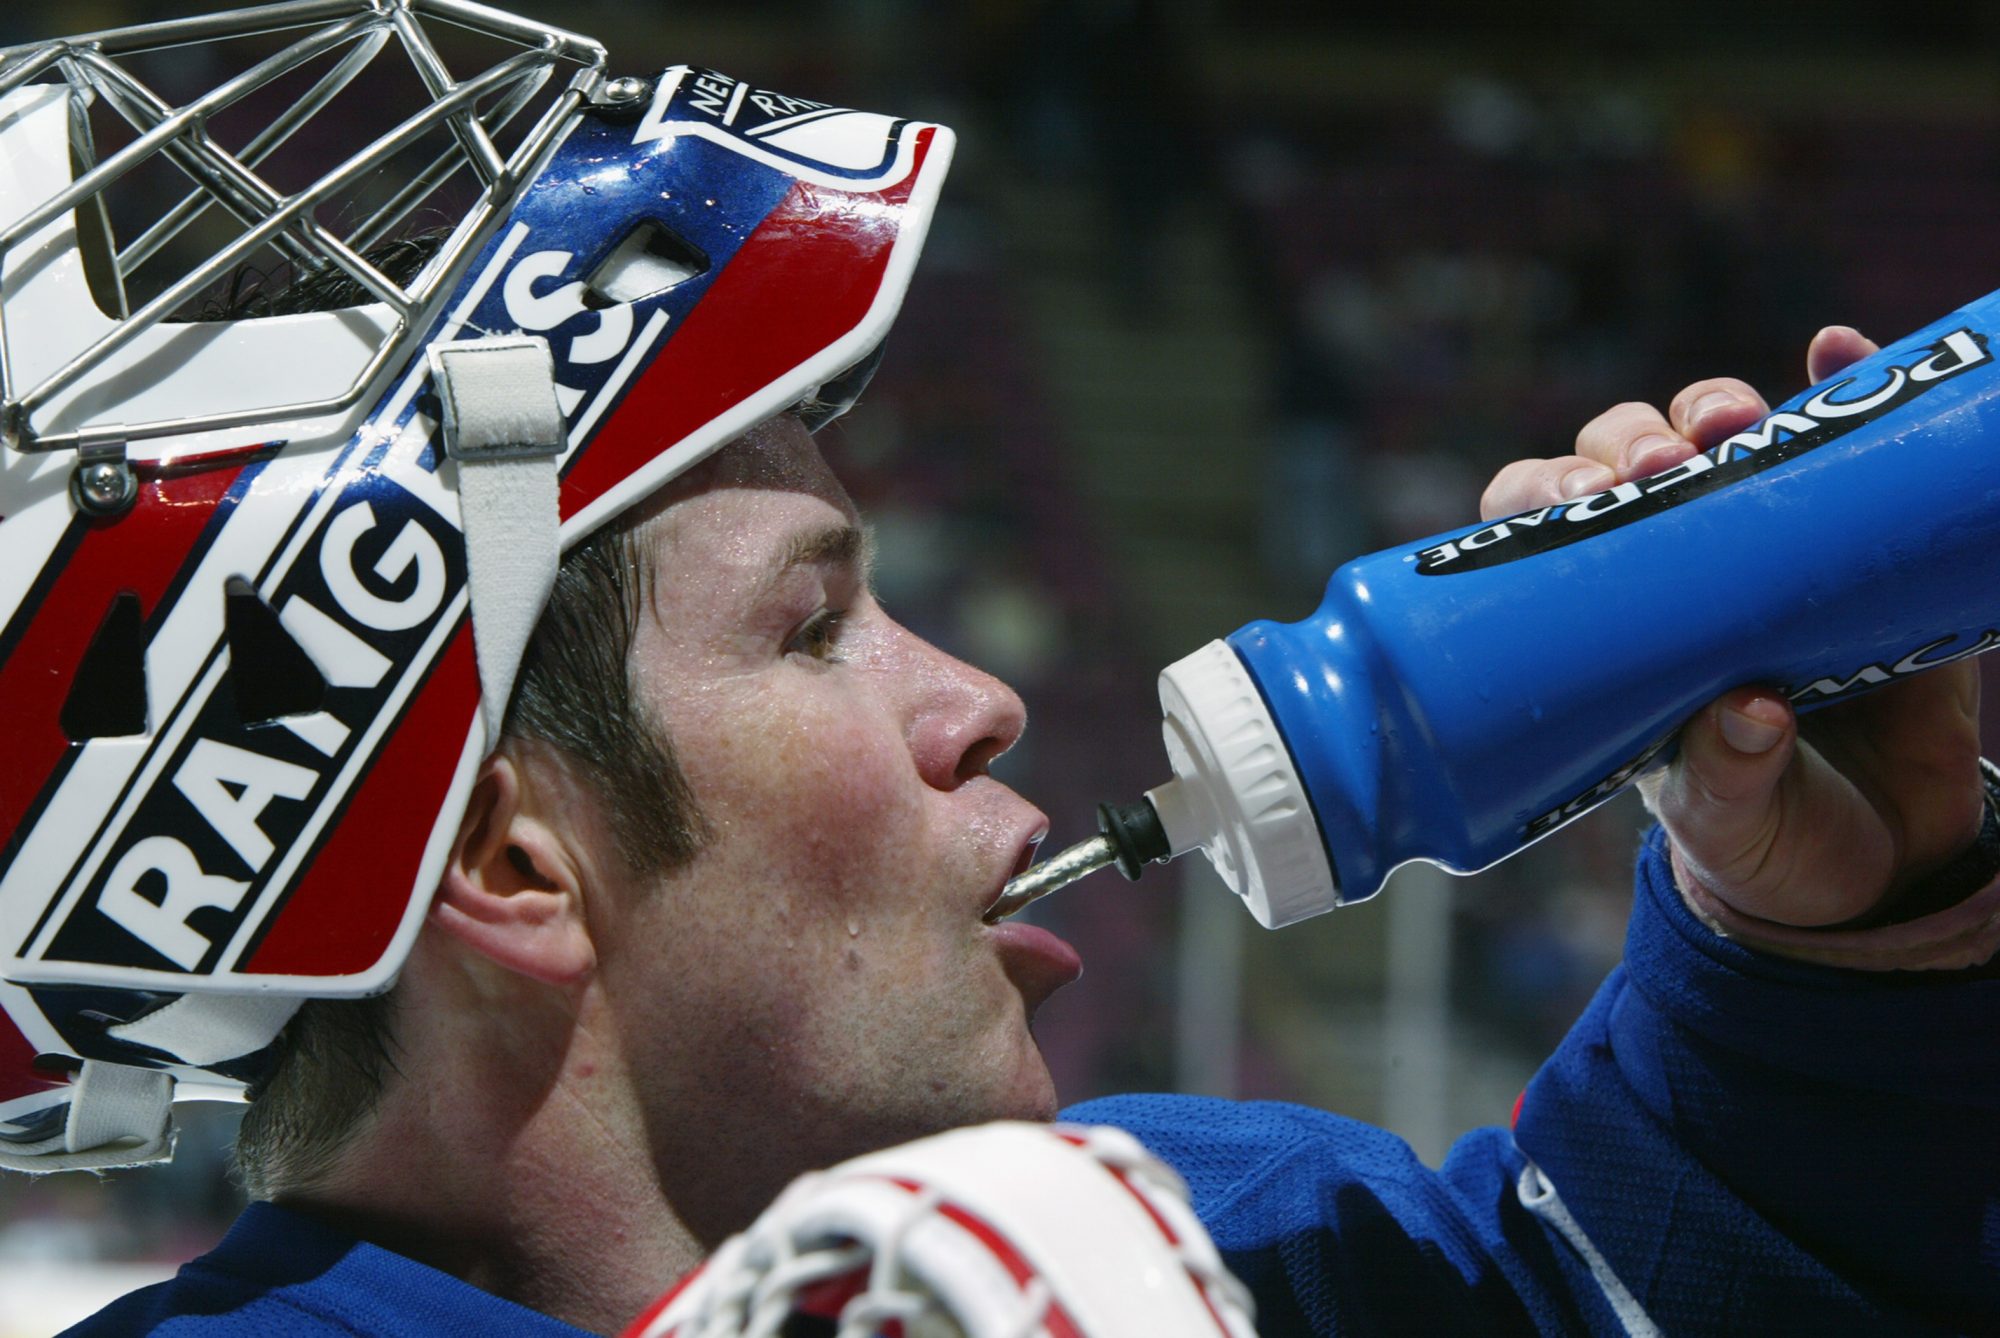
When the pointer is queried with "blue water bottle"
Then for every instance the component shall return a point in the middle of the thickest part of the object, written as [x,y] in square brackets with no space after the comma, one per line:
[1457,699]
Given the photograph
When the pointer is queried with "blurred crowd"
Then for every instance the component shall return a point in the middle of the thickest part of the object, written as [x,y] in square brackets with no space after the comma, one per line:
[1451,252]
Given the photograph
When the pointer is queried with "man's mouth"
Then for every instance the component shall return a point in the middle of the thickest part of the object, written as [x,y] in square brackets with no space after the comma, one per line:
[1022,863]
[1037,961]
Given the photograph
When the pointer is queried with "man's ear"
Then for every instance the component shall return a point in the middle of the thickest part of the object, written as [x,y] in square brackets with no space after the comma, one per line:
[511,892]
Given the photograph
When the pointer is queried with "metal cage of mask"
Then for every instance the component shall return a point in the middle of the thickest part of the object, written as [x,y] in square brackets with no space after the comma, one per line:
[347,37]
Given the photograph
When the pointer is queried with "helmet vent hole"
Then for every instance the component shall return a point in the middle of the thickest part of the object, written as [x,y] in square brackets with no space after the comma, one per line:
[271,674]
[107,698]
[651,259]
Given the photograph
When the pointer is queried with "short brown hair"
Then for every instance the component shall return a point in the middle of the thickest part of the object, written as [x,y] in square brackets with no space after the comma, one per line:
[574,692]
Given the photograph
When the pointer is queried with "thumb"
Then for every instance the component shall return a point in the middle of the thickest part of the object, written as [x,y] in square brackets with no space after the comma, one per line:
[1767,825]
[1721,801]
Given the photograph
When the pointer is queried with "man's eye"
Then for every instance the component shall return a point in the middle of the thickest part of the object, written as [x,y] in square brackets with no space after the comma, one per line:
[819,636]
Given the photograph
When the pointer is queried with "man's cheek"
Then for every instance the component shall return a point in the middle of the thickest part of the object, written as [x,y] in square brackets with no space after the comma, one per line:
[843,796]
[838,764]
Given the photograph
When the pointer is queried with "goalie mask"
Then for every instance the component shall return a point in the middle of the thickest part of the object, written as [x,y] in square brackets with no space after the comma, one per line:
[265,580]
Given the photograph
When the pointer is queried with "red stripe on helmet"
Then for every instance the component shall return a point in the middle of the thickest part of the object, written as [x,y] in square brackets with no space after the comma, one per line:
[347,905]
[144,551]
[807,276]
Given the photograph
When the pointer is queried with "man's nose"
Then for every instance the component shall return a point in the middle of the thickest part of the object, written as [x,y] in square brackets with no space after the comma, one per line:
[963,718]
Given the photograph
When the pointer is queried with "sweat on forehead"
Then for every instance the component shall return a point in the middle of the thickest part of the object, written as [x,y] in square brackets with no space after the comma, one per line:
[778,455]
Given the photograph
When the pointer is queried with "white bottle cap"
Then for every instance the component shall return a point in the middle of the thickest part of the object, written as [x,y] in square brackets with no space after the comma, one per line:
[1235,792]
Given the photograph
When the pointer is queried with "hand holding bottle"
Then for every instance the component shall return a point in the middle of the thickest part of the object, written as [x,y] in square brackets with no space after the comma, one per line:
[1813,823]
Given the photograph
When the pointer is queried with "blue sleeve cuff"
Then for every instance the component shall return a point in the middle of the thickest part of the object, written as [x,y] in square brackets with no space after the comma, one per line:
[1885,1030]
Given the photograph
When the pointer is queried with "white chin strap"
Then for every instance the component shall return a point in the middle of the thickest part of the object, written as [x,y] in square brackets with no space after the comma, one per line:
[118,1116]
[504,430]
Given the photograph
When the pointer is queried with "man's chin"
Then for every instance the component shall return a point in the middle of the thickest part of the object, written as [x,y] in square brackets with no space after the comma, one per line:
[1029,1094]
[1037,1092]
[1040,1111]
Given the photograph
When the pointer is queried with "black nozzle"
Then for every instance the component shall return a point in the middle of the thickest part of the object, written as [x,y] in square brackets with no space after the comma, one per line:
[1135,832]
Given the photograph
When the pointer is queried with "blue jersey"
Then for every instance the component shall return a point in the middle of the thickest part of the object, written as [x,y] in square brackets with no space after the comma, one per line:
[1725,1143]
[280,1272]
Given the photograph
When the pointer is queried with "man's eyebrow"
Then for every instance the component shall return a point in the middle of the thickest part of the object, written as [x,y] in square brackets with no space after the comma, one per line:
[851,545]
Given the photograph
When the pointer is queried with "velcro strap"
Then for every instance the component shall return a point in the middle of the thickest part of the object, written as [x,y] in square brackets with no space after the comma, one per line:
[210,1029]
[499,396]
[118,1116]
[504,428]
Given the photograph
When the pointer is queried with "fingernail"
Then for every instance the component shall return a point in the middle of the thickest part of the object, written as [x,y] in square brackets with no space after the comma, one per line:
[1712,402]
[1663,452]
[1586,479]
[1747,734]
[1650,445]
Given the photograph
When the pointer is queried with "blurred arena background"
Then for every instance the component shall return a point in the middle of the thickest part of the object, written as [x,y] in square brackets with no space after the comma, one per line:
[1222,295]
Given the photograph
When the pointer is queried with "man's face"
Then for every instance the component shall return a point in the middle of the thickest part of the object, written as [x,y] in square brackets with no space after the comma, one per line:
[818,981]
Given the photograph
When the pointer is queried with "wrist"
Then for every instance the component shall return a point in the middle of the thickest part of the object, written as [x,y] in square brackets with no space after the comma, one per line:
[1947,920]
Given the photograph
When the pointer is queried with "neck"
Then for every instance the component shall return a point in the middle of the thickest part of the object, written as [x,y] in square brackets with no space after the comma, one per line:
[504,1153]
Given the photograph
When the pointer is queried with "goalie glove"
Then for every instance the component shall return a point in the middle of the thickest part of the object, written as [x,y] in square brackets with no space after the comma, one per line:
[1000,1231]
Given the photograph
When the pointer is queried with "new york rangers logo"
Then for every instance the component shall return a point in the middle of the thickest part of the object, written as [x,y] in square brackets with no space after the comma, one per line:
[810,140]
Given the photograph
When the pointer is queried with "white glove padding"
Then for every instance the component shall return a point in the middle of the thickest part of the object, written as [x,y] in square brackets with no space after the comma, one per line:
[1001,1231]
